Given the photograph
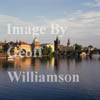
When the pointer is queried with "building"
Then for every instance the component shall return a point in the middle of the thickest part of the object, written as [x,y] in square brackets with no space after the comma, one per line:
[57,44]
[27,49]
[68,43]
[36,48]
[69,47]
[22,47]
[36,43]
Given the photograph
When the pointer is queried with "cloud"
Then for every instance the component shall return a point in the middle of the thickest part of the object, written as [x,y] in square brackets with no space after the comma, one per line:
[82,27]
[96,3]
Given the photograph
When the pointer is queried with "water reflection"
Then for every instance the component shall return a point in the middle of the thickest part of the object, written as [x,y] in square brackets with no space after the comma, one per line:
[56,64]
[36,64]
[87,89]
[22,63]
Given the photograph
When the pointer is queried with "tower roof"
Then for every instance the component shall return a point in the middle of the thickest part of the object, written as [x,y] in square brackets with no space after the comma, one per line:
[68,43]
[23,43]
[35,40]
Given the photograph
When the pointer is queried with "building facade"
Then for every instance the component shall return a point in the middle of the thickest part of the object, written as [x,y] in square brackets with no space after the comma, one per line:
[57,44]
[22,47]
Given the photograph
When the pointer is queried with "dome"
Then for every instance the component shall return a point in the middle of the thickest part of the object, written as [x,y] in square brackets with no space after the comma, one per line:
[36,40]
[36,43]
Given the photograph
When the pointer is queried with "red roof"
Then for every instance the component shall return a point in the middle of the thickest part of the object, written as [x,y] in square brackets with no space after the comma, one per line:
[23,43]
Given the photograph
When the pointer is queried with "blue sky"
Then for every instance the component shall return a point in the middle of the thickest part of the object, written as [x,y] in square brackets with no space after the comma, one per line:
[82,17]
[30,9]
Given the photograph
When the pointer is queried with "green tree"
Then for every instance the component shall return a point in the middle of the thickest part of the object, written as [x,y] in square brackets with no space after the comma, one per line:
[46,50]
[5,47]
[78,47]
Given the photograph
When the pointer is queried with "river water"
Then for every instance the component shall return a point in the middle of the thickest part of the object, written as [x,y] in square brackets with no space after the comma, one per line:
[87,89]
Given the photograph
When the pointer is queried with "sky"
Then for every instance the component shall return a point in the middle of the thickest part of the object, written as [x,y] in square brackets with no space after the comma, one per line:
[81,17]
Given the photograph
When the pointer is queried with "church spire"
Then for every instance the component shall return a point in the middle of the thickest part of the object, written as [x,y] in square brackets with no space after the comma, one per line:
[68,43]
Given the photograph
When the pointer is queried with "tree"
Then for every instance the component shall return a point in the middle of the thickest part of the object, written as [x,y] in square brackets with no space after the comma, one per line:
[90,46]
[46,50]
[78,47]
[49,50]
[5,47]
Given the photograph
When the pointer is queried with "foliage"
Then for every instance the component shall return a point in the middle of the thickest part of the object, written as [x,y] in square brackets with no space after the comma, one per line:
[5,47]
[46,50]
[78,47]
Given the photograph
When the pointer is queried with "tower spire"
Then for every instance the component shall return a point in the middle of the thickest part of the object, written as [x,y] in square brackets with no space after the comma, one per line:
[68,43]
